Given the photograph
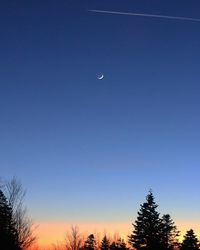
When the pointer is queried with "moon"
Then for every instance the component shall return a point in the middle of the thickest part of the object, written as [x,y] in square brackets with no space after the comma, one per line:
[100,76]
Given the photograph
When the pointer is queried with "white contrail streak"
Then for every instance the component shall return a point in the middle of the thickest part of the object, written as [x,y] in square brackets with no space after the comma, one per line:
[146,15]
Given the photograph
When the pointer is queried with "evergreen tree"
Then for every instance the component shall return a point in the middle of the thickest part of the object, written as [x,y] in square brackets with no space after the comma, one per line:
[118,245]
[121,245]
[113,246]
[90,243]
[169,233]
[8,232]
[190,241]
[147,228]
[104,243]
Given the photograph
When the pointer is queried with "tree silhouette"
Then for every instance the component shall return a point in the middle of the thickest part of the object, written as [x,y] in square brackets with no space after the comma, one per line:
[8,232]
[169,233]
[15,194]
[147,228]
[118,245]
[104,243]
[190,241]
[74,239]
[90,243]
[121,244]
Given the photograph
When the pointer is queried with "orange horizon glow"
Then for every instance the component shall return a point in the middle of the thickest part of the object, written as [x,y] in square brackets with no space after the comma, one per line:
[49,233]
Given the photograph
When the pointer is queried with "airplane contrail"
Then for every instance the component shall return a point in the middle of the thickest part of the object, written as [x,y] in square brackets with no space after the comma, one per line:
[181,18]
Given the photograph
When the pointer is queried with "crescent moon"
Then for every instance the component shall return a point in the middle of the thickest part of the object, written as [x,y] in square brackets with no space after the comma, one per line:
[100,77]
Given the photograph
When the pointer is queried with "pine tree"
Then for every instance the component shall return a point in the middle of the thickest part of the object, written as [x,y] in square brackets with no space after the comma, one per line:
[147,228]
[118,245]
[90,243]
[104,243]
[8,232]
[113,246]
[169,233]
[190,241]
[121,245]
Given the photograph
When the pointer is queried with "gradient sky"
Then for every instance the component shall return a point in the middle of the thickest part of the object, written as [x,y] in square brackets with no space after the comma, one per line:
[89,150]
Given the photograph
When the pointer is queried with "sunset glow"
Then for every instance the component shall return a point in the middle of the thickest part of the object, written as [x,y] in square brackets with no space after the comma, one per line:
[49,233]
[56,232]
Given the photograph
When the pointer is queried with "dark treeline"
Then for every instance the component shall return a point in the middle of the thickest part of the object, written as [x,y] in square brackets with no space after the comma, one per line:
[151,231]
[75,241]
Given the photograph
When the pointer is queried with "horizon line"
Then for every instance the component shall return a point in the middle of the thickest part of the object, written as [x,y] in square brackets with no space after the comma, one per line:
[181,18]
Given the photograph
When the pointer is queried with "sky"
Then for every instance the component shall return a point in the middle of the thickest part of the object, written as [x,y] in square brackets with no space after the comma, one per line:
[89,150]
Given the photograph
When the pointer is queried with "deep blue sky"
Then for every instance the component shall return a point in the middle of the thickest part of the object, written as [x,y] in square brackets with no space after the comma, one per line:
[75,141]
